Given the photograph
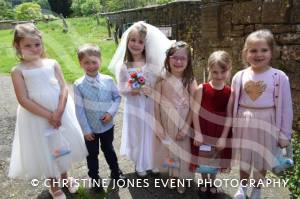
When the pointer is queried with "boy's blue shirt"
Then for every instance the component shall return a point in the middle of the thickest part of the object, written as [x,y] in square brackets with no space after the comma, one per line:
[95,96]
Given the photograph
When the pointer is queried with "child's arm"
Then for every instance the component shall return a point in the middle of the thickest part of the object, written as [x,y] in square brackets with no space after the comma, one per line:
[116,100]
[286,114]
[80,112]
[24,100]
[188,120]
[221,143]
[196,105]
[63,96]
[159,131]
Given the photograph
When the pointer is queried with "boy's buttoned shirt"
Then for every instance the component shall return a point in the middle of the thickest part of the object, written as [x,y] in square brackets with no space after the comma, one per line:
[95,96]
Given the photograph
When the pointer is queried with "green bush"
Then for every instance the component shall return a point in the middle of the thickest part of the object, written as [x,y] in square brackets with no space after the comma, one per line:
[85,7]
[294,174]
[28,11]
[6,11]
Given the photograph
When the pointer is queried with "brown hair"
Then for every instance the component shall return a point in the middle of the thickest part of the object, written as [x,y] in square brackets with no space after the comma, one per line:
[88,49]
[188,75]
[142,30]
[220,58]
[265,35]
[26,30]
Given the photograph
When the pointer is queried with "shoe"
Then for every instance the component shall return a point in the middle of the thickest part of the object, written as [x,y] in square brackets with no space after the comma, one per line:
[203,191]
[155,171]
[213,192]
[72,185]
[118,176]
[256,193]
[58,194]
[141,173]
[181,189]
[241,193]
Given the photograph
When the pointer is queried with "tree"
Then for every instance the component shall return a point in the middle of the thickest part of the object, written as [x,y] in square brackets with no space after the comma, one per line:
[28,11]
[6,11]
[85,7]
[61,6]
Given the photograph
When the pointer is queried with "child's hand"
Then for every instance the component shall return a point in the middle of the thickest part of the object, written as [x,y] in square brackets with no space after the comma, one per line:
[221,143]
[55,120]
[89,136]
[198,139]
[146,90]
[181,134]
[283,142]
[106,118]
[159,132]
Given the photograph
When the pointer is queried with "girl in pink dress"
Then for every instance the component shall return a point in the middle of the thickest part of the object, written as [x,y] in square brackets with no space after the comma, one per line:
[173,116]
[262,111]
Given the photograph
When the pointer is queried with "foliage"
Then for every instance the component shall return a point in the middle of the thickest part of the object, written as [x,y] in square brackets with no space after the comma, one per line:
[6,11]
[294,174]
[62,46]
[28,11]
[85,7]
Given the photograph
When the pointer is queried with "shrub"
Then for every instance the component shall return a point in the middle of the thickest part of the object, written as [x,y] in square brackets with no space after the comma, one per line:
[28,11]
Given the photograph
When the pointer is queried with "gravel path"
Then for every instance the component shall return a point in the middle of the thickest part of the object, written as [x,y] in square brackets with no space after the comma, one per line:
[23,189]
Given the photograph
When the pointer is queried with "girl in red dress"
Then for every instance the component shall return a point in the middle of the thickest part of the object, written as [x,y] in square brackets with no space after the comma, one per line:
[212,110]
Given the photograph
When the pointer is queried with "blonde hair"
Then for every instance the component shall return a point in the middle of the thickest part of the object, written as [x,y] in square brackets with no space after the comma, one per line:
[220,58]
[259,35]
[88,49]
[142,30]
[26,30]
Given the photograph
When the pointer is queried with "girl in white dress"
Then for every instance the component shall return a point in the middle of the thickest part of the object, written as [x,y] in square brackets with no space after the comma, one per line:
[45,112]
[141,50]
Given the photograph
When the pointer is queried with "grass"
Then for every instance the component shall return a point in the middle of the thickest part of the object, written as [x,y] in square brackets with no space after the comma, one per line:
[62,46]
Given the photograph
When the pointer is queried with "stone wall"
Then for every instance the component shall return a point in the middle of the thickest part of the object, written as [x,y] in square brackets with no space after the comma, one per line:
[209,25]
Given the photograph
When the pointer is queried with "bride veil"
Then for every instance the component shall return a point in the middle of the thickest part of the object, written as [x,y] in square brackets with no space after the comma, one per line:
[156,44]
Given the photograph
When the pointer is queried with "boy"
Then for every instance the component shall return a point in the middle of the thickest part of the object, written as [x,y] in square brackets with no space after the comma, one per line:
[96,101]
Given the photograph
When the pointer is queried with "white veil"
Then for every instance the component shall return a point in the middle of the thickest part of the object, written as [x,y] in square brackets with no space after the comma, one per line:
[156,44]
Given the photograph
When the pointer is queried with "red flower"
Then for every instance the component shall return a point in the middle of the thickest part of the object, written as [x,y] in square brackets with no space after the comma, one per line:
[141,80]
[133,75]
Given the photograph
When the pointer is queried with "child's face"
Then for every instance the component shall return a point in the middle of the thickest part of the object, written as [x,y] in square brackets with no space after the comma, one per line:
[259,54]
[90,64]
[31,48]
[218,75]
[136,43]
[178,61]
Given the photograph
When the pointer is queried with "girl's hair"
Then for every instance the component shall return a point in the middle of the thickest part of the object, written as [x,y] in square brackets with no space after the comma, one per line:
[259,35]
[142,30]
[220,58]
[188,75]
[26,30]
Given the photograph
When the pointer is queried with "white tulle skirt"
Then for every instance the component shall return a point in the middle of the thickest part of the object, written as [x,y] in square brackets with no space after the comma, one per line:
[31,157]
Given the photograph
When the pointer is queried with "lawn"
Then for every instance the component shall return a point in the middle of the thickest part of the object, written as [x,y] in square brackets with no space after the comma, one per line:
[62,46]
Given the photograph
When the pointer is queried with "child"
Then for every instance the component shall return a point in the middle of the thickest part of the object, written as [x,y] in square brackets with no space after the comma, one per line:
[212,109]
[44,106]
[263,108]
[141,52]
[97,100]
[172,112]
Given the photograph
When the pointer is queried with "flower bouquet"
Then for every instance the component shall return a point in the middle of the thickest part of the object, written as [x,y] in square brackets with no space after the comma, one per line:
[136,80]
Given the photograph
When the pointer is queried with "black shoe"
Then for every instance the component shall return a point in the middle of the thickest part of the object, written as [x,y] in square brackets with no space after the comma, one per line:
[118,176]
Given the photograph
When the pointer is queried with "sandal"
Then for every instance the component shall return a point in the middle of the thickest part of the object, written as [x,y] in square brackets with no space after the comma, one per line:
[72,185]
[58,194]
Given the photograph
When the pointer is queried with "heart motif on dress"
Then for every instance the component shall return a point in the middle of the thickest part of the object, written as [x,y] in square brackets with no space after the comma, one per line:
[255,89]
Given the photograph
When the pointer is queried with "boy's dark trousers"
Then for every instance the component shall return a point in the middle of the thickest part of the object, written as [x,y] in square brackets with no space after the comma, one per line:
[106,140]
